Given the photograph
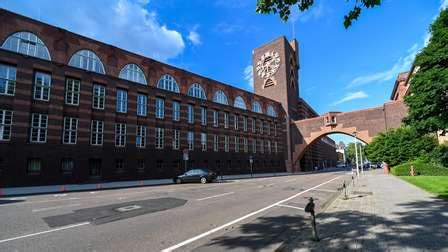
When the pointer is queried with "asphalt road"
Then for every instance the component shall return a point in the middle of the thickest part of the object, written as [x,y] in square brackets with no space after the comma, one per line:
[239,215]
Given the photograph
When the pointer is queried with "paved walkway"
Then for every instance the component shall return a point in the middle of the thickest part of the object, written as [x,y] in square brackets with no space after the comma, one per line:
[382,213]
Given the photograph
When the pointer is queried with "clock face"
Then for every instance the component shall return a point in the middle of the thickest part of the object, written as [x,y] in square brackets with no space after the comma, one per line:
[268,64]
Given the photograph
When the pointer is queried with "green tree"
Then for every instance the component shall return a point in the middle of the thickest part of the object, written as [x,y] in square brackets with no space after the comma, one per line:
[283,8]
[428,98]
[400,145]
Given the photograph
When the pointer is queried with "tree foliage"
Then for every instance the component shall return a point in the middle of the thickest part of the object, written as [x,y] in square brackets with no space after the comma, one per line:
[428,98]
[400,145]
[283,8]
[350,152]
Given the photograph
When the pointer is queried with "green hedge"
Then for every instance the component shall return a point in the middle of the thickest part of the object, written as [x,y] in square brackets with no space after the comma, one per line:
[420,168]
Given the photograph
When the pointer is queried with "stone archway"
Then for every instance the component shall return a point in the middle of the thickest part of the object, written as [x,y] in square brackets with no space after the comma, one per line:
[367,123]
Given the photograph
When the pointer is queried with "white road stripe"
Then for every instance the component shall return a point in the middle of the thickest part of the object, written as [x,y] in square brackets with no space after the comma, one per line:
[289,180]
[52,208]
[284,205]
[241,218]
[215,196]
[60,195]
[44,232]
[325,190]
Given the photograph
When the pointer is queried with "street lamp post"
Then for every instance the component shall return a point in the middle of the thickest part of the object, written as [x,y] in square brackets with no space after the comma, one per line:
[356,154]
[251,161]
[361,161]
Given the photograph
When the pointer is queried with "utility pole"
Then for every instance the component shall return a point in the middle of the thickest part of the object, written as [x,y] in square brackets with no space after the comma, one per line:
[356,154]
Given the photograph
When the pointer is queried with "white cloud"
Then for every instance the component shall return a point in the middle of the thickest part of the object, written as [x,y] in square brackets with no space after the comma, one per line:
[124,23]
[249,75]
[351,96]
[443,4]
[194,37]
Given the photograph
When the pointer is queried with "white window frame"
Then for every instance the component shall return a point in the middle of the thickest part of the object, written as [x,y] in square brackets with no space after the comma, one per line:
[245,146]
[70,130]
[215,118]
[72,91]
[176,111]
[122,101]
[237,144]
[142,105]
[160,135]
[275,147]
[239,103]
[261,127]
[9,79]
[235,121]
[160,108]
[226,120]
[268,144]
[27,43]
[167,82]
[134,73]
[176,139]
[42,86]
[120,134]
[253,125]
[190,140]
[215,143]
[204,141]
[203,116]
[96,132]
[39,129]
[220,97]
[98,96]
[196,90]
[226,144]
[87,60]
[190,114]
[140,136]
[245,123]
[6,117]
[254,145]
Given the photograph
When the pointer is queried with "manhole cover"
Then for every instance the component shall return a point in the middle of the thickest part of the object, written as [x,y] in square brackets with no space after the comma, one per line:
[128,208]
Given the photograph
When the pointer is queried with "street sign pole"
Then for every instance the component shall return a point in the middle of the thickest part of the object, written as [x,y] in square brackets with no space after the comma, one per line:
[251,161]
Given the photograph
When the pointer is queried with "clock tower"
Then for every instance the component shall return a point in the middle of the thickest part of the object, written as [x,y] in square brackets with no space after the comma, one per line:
[276,71]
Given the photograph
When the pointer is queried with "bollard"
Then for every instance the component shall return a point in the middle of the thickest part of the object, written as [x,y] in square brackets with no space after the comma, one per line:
[353,180]
[345,190]
[310,209]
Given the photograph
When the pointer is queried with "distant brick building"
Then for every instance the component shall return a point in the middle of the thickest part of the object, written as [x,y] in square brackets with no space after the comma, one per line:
[75,110]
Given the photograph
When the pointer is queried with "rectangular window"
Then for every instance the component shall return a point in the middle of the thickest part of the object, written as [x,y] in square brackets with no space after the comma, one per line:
[215,118]
[275,129]
[268,144]
[69,132]
[215,143]
[252,123]
[96,132]
[237,144]
[190,140]
[261,146]
[120,134]
[176,111]
[5,125]
[67,166]
[246,148]
[39,124]
[268,128]
[140,136]
[72,89]
[245,123]
[7,79]
[120,166]
[176,139]
[142,104]
[122,101]
[94,167]
[160,138]
[203,116]
[160,108]
[226,120]
[261,127]
[190,113]
[204,141]
[34,166]
[275,147]
[235,121]
[42,83]
[226,143]
[141,166]
[254,146]
[98,96]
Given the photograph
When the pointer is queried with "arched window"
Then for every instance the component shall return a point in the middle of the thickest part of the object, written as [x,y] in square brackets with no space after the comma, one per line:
[167,82]
[27,43]
[256,107]
[87,60]
[220,97]
[239,103]
[197,91]
[270,111]
[132,72]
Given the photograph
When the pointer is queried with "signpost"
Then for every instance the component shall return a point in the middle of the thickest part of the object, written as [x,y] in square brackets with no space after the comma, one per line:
[251,161]
[185,157]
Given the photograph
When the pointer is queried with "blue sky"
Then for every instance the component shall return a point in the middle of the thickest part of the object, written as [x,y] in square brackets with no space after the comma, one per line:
[341,70]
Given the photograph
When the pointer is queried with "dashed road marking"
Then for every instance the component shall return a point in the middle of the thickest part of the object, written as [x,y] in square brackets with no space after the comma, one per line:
[215,196]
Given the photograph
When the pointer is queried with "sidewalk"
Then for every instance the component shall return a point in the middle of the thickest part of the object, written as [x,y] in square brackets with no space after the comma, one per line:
[382,213]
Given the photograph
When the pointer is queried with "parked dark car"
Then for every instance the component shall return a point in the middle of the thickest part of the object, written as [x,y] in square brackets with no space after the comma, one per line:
[196,175]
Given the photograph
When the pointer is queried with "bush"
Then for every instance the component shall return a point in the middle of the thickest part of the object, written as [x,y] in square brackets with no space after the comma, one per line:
[420,168]
[440,155]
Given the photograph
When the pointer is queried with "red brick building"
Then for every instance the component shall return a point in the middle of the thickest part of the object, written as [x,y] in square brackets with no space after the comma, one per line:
[75,110]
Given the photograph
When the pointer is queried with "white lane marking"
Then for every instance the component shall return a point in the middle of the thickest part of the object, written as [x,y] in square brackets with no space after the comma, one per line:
[16,198]
[60,195]
[215,196]
[284,205]
[325,190]
[242,218]
[45,232]
[92,192]
[75,198]
[52,208]
[289,180]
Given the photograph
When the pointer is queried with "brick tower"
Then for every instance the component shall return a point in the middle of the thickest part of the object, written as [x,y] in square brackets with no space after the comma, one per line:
[276,69]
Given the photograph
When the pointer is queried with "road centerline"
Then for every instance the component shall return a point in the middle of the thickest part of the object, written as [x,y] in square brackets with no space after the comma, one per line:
[214,230]
[216,196]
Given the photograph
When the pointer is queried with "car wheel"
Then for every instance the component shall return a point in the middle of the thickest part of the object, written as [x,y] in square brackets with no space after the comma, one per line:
[203,180]
[178,181]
